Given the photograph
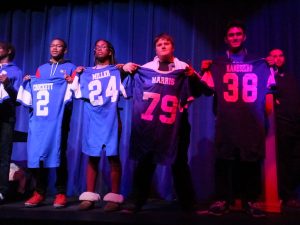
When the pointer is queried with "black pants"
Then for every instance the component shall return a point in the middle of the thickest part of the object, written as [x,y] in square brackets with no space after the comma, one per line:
[237,179]
[182,177]
[41,176]
[180,170]
[288,163]
[6,140]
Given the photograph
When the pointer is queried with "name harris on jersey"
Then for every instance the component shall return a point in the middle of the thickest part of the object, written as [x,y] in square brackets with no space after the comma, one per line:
[163,80]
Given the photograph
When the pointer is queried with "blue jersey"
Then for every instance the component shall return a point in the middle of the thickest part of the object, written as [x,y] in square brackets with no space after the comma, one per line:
[100,88]
[240,91]
[8,93]
[47,98]
[158,101]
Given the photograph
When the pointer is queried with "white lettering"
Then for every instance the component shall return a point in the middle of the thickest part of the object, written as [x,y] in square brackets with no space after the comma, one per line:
[43,87]
[97,76]
[234,68]
[163,80]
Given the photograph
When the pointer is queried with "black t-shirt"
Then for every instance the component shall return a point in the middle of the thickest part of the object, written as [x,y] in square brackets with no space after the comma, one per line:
[287,105]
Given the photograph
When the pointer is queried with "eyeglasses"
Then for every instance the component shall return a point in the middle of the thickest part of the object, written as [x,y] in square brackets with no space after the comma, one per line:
[100,47]
[57,46]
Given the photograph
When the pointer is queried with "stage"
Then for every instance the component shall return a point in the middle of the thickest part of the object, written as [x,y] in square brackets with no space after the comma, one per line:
[156,212]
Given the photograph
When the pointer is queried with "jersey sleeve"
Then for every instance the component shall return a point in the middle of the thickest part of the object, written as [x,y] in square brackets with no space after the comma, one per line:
[68,94]
[127,87]
[3,94]
[75,87]
[271,80]
[24,94]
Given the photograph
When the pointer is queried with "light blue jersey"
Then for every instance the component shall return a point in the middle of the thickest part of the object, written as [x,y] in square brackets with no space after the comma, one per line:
[47,99]
[100,88]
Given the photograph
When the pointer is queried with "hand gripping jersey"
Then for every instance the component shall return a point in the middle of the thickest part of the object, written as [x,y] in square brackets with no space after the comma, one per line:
[47,98]
[101,89]
[158,101]
[241,89]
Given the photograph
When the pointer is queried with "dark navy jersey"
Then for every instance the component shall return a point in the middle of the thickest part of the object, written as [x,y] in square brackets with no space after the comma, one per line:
[101,89]
[287,106]
[158,101]
[240,91]
[46,98]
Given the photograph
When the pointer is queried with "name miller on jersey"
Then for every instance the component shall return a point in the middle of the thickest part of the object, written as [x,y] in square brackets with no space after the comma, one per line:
[97,76]
[239,68]
[163,80]
[42,87]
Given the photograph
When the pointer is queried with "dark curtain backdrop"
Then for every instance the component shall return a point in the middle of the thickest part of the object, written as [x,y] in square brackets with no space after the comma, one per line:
[198,29]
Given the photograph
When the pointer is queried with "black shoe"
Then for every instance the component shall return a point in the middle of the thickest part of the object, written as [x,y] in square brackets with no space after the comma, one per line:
[188,206]
[218,208]
[253,209]
[130,207]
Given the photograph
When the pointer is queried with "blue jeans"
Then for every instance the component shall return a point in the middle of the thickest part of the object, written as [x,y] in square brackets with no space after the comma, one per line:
[6,140]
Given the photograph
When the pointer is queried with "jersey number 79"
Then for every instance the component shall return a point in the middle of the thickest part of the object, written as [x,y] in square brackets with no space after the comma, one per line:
[168,104]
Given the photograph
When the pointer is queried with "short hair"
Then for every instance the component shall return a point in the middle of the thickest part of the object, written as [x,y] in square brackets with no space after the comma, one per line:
[61,40]
[164,36]
[8,47]
[112,60]
[235,23]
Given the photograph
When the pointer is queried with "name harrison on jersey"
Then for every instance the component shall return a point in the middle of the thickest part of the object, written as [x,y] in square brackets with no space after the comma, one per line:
[42,87]
[163,80]
[234,68]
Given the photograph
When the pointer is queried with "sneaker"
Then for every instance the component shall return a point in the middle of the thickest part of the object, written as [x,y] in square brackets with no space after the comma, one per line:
[254,209]
[111,207]
[35,200]
[60,201]
[86,205]
[218,208]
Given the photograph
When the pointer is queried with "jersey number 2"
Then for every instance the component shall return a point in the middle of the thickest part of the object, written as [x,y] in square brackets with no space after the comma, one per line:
[41,104]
